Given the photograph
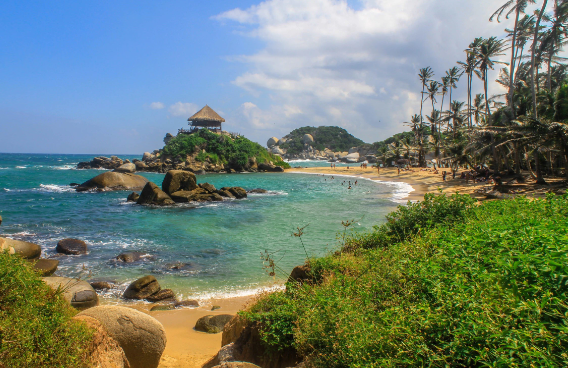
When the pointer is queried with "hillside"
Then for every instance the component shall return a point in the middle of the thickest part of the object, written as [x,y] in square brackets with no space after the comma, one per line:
[332,137]
[222,151]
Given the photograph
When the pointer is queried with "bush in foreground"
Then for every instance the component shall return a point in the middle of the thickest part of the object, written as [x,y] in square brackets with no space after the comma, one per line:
[484,287]
[35,322]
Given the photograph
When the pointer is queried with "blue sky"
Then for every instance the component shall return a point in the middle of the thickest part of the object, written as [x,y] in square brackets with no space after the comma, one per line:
[115,76]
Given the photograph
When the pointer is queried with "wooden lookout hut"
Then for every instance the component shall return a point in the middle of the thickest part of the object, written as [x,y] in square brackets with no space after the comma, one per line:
[206,118]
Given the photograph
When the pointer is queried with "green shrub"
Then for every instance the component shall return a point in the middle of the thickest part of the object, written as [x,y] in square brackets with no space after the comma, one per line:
[35,322]
[485,286]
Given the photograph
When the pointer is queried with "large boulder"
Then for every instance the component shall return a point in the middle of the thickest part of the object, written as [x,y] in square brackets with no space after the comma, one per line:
[133,197]
[272,142]
[268,166]
[176,180]
[307,139]
[141,337]
[79,293]
[197,195]
[277,150]
[4,247]
[23,249]
[147,156]
[163,294]
[142,288]
[126,168]
[213,323]
[104,351]
[351,157]
[46,267]
[140,165]
[208,187]
[71,246]
[238,192]
[113,181]
[152,194]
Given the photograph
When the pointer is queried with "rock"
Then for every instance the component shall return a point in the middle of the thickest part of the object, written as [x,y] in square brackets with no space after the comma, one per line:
[216,197]
[236,365]
[140,165]
[258,190]
[151,194]
[202,172]
[351,157]
[272,142]
[104,351]
[102,285]
[213,324]
[353,150]
[180,266]
[300,274]
[76,292]
[226,193]
[208,187]
[74,184]
[277,150]
[215,307]
[71,246]
[147,156]
[227,353]
[164,294]
[132,197]
[130,257]
[162,307]
[142,288]
[270,167]
[46,267]
[141,337]
[168,138]
[307,139]
[176,180]
[113,181]
[0,220]
[187,303]
[23,249]
[126,168]
[238,192]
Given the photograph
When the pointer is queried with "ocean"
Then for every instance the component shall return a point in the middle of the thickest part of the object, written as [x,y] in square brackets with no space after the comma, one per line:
[219,245]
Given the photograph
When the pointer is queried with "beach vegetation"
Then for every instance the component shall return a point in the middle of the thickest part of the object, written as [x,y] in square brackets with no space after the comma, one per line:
[447,283]
[36,329]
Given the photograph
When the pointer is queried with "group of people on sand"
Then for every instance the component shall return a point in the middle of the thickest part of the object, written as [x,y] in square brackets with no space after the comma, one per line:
[364,165]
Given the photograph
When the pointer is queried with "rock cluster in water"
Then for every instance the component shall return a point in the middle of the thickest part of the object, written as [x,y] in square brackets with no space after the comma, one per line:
[181,186]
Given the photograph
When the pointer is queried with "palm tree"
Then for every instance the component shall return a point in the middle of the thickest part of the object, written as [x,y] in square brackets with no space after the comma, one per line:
[433,89]
[453,75]
[524,31]
[445,85]
[533,50]
[469,67]
[478,108]
[454,115]
[556,35]
[518,7]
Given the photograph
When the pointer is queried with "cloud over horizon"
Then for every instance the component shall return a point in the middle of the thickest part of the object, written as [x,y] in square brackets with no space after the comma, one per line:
[326,62]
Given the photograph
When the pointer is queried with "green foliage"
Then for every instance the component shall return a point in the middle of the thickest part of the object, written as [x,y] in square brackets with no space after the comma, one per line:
[478,286]
[35,322]
[561,104]
[236,151]
[334,138]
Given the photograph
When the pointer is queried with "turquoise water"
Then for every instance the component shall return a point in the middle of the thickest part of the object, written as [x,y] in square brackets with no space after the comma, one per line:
[221,242]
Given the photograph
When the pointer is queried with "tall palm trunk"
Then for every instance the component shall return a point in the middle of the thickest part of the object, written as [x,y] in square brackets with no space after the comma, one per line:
[496,165]
[533,66]
[549,77]
[513,45]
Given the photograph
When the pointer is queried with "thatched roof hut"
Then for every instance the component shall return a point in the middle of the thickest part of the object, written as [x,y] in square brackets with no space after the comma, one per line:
[206,117]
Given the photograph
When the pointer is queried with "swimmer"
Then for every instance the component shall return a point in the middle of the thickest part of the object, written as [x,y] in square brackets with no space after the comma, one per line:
[349,187]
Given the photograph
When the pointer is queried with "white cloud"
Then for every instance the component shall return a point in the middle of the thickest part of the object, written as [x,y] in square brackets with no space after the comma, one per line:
[157,105]
[351,66]
[183,109]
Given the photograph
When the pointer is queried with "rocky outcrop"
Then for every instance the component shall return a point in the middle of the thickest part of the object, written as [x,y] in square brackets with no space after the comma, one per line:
[163,294]
[21,248]
[308,139]
[270,167]
[152,194]
[126,168]
[104,351]
[133,197]
[213,323]
[300,274]
[102,284]
[71,246]
[272,142]
[80,294]
[141,337]
[113,181]
[237,192]
[102,162]
[142,288]
[179,180]
[130,257]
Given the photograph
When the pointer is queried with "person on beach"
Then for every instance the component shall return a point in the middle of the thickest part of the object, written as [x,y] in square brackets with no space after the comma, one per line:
[398,167]
[444,175]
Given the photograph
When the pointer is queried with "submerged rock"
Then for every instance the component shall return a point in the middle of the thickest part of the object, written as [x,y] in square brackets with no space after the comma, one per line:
[258,190]
[187,303]
[132,197]
[164,294]
[130,257]
[71,246]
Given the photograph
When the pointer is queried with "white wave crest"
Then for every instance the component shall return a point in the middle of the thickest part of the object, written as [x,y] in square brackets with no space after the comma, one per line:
[53,188]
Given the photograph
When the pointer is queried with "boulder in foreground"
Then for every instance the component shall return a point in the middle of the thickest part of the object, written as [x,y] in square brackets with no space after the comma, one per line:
[46,267]
[141,337]
[113,181]
[21,248]
[80,294]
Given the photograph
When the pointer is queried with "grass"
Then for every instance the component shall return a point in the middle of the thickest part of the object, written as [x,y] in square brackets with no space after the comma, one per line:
[234,152]
[442,283]
[35,322]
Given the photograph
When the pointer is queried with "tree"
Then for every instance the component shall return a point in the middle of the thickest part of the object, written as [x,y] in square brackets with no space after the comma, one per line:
[533,51]
[453,75]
